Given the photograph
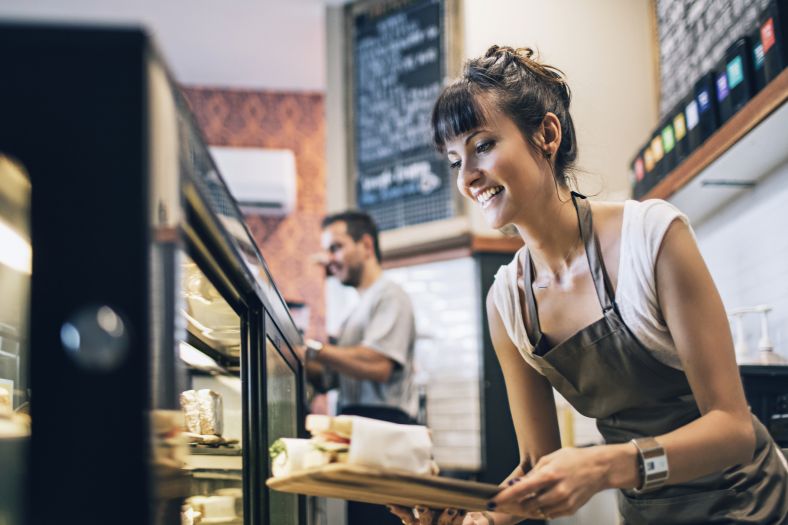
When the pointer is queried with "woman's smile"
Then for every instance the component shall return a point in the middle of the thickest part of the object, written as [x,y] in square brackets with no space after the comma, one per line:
[488,196]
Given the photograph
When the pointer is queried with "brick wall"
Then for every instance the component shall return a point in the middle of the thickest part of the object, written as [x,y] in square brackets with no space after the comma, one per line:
[280,120]
[693,37]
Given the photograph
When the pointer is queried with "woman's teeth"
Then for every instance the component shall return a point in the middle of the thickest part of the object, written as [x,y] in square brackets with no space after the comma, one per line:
[488,194]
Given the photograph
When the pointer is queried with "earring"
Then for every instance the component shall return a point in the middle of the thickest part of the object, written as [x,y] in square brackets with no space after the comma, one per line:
[547,155]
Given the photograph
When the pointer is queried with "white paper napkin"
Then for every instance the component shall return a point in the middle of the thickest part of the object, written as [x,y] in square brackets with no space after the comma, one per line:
[387,445]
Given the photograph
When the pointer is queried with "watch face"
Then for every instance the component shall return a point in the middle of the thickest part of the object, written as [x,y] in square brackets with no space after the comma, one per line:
[657,464]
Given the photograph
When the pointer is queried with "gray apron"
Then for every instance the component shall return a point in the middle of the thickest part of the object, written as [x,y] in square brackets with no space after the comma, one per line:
[607,374]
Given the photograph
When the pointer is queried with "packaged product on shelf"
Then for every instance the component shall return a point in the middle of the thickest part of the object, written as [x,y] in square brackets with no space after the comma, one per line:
[758,61]
[692,119]
[203,412]
[637,173]
[706,98]
[738,67]
[191,411]
[771,35]
[658,152]
[680,133]
[211,412]
[213,507]
[668,145]
[724,100]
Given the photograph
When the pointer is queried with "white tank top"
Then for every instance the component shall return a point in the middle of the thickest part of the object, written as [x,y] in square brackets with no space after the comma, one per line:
[644,226]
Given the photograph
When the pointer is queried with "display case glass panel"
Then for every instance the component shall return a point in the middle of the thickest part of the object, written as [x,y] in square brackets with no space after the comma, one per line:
[15,271]
[210,348]
[281,391]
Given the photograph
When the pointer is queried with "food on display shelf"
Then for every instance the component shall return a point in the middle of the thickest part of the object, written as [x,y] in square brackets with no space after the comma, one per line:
[203,412]
[6,408]
[189,516]
[169,447]
[211,413]
[12,424]
[191,410]
[211,508]
[357,440]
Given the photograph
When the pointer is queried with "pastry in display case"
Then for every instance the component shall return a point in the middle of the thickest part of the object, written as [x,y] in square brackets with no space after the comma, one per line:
[146,360]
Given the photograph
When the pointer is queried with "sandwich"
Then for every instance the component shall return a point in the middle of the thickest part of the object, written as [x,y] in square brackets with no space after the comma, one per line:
[356,440]
[330,443]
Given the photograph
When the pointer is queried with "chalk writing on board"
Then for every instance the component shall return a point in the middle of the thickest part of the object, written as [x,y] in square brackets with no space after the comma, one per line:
[398,76]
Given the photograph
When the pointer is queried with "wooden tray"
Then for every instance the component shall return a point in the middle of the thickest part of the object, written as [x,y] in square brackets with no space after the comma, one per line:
[373,485]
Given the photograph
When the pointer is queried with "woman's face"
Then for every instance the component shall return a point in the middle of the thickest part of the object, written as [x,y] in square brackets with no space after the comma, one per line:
[497,169]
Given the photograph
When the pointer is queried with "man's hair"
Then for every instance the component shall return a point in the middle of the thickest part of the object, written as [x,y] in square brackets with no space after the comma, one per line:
[358,223]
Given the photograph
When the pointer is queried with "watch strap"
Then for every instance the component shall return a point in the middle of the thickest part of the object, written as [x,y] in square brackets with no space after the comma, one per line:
[653,464]
[313,348]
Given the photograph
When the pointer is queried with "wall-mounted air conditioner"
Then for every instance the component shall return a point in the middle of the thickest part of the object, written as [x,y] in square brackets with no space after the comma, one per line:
[263,181]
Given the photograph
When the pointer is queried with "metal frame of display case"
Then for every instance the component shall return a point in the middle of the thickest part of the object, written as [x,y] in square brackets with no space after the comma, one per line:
[87,111]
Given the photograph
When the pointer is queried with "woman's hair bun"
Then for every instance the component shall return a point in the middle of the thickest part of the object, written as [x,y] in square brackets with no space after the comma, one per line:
[523,87]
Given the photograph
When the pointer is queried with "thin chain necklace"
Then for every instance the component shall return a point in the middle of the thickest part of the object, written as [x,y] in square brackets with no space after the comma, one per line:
[570,254]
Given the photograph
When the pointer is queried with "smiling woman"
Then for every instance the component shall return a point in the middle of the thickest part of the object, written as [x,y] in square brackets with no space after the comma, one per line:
[612,305]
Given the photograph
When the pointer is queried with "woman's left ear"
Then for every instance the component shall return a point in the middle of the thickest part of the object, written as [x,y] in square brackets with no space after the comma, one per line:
[551,133]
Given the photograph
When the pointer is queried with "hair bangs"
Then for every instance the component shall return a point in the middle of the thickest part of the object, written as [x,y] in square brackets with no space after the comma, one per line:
[457,111]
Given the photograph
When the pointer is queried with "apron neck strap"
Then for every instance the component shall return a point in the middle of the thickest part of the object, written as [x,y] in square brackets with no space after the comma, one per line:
[604,290]
[533,315]
[596,263]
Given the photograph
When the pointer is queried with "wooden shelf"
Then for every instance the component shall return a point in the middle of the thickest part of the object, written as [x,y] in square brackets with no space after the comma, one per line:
[464,245]
[770,99]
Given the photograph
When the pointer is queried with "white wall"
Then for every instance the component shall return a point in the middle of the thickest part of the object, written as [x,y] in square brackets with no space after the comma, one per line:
[605,47]
[253,44]
[745,245]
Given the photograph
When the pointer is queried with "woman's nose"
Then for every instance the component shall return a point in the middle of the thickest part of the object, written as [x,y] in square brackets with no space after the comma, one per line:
[467,176]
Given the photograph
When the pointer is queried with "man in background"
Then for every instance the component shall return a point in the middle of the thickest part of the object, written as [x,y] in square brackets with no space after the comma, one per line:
[372,360]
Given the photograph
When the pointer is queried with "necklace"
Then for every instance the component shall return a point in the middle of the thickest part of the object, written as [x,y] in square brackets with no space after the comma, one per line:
[567,257]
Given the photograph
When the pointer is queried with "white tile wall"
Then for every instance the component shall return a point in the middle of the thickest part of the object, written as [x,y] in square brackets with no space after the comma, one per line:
[448,355]
[448,351]
[745,245]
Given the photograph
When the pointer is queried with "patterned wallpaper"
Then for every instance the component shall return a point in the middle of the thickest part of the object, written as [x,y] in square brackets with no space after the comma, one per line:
[284,120]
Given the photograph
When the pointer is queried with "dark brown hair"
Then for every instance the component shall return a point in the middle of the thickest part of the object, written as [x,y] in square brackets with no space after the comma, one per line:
[522,88]
[358,223]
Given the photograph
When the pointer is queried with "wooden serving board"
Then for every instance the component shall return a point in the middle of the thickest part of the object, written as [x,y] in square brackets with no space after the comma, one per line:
[374,485]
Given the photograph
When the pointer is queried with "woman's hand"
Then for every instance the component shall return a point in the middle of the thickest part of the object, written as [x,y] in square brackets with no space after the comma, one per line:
[426,516]
[559,484]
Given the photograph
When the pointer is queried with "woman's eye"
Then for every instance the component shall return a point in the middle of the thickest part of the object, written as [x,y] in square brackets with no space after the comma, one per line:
[455,165]
[484,147]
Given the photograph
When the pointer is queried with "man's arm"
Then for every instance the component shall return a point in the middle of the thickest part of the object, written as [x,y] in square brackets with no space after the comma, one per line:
[358,362]
[315,373]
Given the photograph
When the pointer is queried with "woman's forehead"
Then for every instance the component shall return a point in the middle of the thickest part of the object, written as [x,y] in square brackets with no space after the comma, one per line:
[495,121]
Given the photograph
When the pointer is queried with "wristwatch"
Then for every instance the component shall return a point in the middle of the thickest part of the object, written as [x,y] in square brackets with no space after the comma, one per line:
[653,463]
[313,347]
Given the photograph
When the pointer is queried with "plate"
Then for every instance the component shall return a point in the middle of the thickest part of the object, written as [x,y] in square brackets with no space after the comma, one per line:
[374,485]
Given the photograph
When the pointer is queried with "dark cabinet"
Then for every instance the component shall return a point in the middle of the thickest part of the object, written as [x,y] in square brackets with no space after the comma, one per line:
[127,277]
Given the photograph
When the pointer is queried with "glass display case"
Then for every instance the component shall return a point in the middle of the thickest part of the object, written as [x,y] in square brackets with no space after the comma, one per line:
[146,359]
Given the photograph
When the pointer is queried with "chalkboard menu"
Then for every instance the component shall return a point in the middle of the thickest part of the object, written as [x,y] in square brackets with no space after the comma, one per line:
[397,74]
[693,37]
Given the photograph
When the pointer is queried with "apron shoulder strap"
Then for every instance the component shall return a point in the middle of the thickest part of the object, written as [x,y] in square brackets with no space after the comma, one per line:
[604,289]
[533,314]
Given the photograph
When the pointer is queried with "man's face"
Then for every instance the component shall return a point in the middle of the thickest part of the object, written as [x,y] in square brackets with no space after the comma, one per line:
[345,256]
